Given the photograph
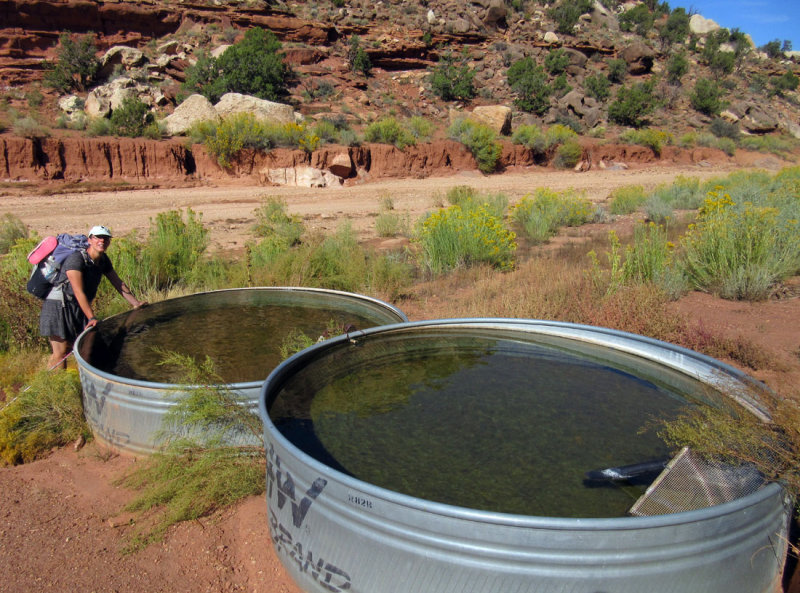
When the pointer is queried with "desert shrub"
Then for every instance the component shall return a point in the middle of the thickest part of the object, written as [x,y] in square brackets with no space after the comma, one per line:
[558,134]
[684,193]
[452,78]
[657,209]
[529,81]
[12,229]
[252,66]
[560,86]
[226,139]
[480,140]
[617,70]
[531,137]
[389,131]
[542,214]
[724,129]
[457,237]
[556,61]
[326,130]
[357,58]
[420,128]
[597,86]
[568,154]
[567,12]
[131,118]
[274,222]
[676,29]
[27,127]
[34,98]
[726,145]
[389,224]
[653,139]
[632,104]
[722,63]
[19,311]
[638,19]
[648,256]
[707,97]
[780,145]
[739,249]
[626,199]
[76,64]
[468,198]
[98,126]
[677,67]
[48,414]
[787,81]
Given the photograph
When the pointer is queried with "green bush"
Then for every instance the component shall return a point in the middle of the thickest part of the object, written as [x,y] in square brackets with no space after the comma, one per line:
[676,29]
[452,79]
[568,155]
[480,140]
[638,19]
[131,118]
[389,131]
[707,97]
[253,66]
[99,126]
[19,311]
[597,86]
[357,58]
[542,214]
[76,64]
[657,209]
[531,137]
[273,222]
[27,127]
[626,199]
[556,61]
[461,237]
[226,139]
[469,198]
[677,67]
[567,12]
[653,139]
[632,104]
[49,414]
[420,128]
[529,82]
[617,70]
[12,229]
[788,81]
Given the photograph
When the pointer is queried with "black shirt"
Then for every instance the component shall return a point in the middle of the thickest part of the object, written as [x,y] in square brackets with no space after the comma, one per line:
[92,271]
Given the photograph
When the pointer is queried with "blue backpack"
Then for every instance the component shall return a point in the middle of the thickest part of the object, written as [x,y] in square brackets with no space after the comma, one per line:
[48,262]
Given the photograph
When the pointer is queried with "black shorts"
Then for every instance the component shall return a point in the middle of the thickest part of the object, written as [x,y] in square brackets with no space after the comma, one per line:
[64,320]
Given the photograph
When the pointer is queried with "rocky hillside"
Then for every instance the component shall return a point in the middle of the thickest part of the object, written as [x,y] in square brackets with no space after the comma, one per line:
[586,59]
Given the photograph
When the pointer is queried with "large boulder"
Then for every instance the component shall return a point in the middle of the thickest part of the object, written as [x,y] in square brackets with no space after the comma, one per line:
[496,12]
[194,109]
[234,103]
[639,58]
[699,25]
[127,57]
[497,117]
[341,165]
[758,121]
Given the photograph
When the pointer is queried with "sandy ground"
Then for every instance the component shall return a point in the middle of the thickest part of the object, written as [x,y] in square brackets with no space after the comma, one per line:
[61,524]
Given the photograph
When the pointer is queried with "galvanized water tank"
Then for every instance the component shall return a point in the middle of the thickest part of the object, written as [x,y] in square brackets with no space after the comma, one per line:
[334,532]
[126,413]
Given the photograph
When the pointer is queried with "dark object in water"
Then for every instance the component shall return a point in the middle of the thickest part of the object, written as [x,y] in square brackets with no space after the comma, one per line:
[627,472]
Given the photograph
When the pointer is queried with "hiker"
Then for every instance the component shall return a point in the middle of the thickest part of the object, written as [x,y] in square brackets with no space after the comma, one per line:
[67,310]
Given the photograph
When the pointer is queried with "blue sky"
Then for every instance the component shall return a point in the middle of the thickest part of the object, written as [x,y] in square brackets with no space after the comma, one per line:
[764,20]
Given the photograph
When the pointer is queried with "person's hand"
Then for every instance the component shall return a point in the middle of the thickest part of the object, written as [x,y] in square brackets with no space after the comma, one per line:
[140,304]
[91,323]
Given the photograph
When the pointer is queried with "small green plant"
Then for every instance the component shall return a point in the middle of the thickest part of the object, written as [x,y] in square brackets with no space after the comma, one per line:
[357,58]
[34,98]
[461,237]
[556,61]
[529,82]
[531,137]
[131,118]
[638,19]
[626,199]
[787,81]
[273,221]
[48,414]
[597,86]
[653,139]
[12,229]
[452,78]
[28,127]
[707,97]
[543,213]
[76,64]
[225,140]
[197,473]
[389,131]
[633,104]
[677,67]
[567,12]
[568,155]
[676,29]
[480,140]
[98,126]
[617,70]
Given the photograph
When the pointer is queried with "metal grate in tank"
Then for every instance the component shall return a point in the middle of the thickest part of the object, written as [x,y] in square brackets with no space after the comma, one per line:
[689,482]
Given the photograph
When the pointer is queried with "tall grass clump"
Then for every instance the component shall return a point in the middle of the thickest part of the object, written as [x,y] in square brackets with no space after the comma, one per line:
[48,414]
[626,199]
[468,197]
[459,236]
[480,140]
[19,311]
[531,137]
[197,471]
[273,221]
[11,230]
[651,258]
[542,214]
[739,250]
[226,139]
[655,140]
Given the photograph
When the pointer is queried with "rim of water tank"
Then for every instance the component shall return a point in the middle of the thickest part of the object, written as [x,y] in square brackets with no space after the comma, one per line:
[508,519]
[244,385]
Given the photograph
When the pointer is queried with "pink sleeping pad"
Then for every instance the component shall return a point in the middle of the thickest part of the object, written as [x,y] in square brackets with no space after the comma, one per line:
[42,250]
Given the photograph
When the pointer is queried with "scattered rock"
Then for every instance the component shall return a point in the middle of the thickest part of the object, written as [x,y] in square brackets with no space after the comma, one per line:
[302,176]
[233,103]
[341,165]
[551,38]
[699,25]
[639,58]
[497,117]
[127,57]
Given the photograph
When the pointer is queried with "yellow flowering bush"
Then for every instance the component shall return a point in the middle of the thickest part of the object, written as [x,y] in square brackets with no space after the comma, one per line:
[456,236]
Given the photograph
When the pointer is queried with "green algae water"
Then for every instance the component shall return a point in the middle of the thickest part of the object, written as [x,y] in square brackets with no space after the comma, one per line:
[242,331]
[496,421]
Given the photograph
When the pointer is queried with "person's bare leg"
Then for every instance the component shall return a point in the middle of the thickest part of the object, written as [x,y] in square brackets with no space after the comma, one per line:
[60,350]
